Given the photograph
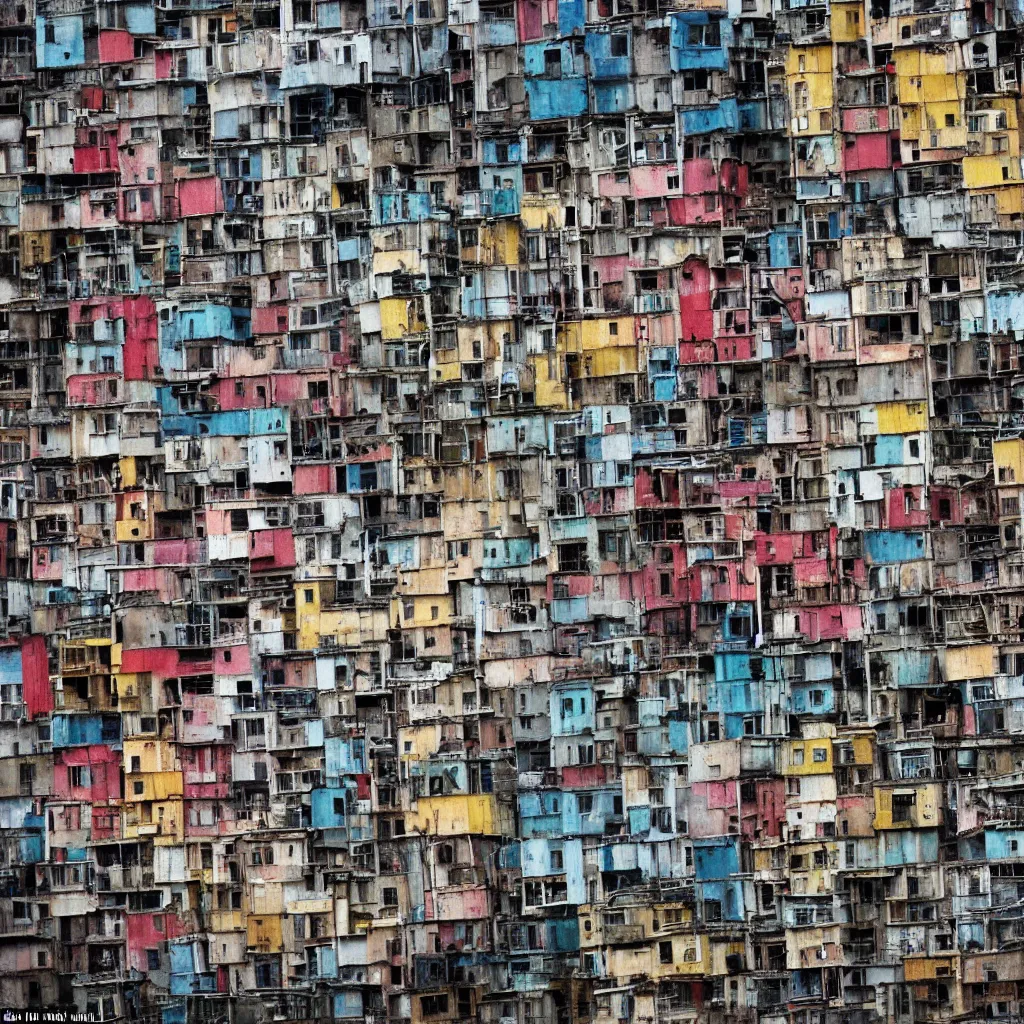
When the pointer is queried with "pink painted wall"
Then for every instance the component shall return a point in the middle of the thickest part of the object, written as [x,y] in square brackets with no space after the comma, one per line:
[145,211]
[269,319]
[271,549]
[92,159]
[312,479]
[137,159]
[226,391]
[240,663]
[199,197]
[143,933]
[583,776]
[898,516]
[645,495]
[866,119]
[140,343]
[163,663]
[695,316]
[610,268]
[35,676]
[177,552]
[104,774]
[288,387]
[116,47]
[92,389]
[868,152]
[768,810]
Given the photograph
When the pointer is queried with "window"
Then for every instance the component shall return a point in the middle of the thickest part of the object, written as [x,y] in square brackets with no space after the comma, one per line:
[665,951]
[902,805]
[801,98]
[704,35]
[620,45]
[431,1006]
[820,755]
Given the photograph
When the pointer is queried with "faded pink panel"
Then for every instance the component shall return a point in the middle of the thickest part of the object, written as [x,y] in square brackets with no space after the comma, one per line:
[177,552]
[866,119]
[810,571]
[269,319]
[531,22]
[744,488]
[46,568]
[379,453]
[868,152]
[136,580]
[899,517]
[584,775]
[255,393]
[607,185]
[164,63]
[199,197]
[651,180]
[240,663]
[699,175]
[610,268]
[142,933]
[776,549]
[116,46]
[137,161]
[35,676]
[312,480]
[289,387]
[272,549]
[218,522]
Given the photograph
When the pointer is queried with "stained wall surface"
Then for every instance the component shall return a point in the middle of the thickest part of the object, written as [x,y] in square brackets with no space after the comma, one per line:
[510,511]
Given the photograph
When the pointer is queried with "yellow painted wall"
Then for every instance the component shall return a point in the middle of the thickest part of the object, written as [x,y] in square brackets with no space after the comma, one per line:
[902,417]
[809,765]
[396,261]
[989,171]
[455,815]
[550,391]
[423,606]
[610,361]
[975,662]
[400,316]
[264,933]
[541,216]
[926,812]
[153,755]
[684,944]
[1008,459]
[863,749]
[346,624]
[499,243]
[811,65]
[924,968]
[846,21]
[602,333]
[127,469]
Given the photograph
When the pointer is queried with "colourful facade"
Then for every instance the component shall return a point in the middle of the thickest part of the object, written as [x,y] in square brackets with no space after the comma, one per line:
[510,511]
